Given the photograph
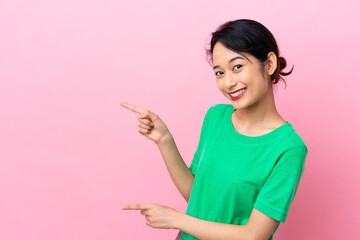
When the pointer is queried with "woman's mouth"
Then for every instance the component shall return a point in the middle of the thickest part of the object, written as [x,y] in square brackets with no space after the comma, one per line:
[237,94]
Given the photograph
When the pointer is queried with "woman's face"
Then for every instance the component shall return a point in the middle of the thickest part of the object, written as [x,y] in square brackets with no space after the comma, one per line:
[234,71]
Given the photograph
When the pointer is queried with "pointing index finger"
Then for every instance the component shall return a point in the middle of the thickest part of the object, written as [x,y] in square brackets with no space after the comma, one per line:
[135,207]
[132,107]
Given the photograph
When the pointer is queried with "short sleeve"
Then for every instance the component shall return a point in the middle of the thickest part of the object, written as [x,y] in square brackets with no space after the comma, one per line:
[278,192]
[200,148]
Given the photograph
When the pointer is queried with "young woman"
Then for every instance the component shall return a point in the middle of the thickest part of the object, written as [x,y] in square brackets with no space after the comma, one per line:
[249,160]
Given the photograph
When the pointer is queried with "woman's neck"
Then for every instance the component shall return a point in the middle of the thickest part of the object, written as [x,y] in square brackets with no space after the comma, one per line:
[262,115]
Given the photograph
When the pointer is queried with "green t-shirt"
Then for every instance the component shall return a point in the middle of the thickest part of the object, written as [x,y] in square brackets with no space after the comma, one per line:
[235,173]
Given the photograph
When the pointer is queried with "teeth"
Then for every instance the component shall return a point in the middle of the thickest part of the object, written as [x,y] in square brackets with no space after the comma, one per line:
[237,93]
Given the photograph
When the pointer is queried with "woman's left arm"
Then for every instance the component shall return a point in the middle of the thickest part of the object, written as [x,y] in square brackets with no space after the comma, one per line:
[259,226]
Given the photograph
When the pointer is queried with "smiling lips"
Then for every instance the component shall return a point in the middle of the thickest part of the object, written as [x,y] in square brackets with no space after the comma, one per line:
[237,94]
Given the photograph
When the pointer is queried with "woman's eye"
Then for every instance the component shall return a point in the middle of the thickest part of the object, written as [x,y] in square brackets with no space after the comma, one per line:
[217,73]
[238,66]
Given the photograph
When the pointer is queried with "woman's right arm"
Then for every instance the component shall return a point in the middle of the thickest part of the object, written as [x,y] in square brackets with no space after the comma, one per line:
[151,126]
[178,170]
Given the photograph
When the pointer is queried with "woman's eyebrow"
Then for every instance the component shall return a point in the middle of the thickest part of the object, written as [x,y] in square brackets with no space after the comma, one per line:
[233,59]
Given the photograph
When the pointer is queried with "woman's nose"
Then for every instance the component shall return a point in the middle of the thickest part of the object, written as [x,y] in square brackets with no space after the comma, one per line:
[229,81]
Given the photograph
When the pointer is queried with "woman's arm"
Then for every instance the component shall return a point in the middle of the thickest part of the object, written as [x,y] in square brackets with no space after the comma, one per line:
[259,227]
[206,230]
[178,170]
[152,127]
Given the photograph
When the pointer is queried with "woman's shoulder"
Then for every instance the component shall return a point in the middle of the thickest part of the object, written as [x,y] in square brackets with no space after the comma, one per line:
[292,139]
[219,108]
[216,112]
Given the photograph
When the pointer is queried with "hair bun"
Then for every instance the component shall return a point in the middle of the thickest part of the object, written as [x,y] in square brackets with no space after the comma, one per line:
[281,65]
[282,62]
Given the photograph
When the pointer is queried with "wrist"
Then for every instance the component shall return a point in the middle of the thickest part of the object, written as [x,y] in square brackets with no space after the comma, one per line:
[165,141]
[177,220]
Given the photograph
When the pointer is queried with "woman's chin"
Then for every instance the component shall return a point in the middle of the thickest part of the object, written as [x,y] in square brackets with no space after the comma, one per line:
[237,105]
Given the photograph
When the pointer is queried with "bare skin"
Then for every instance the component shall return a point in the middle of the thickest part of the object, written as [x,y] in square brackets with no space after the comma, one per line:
[150,125]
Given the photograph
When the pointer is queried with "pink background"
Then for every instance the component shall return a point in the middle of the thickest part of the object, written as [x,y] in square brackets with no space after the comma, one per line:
[71,156]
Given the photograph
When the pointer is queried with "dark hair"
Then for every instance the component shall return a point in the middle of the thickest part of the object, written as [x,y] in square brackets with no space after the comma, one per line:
[245,35]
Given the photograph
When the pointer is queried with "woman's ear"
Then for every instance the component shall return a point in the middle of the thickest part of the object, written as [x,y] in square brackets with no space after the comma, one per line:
[271,63]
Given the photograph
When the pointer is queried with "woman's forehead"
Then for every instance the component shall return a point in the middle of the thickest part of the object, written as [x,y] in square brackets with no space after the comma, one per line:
[227,58]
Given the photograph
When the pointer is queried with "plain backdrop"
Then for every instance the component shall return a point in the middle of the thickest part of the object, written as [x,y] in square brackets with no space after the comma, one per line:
[71,156]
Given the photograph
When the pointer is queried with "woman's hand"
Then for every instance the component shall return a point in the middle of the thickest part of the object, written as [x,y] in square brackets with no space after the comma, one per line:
[157,216]
[150,125]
